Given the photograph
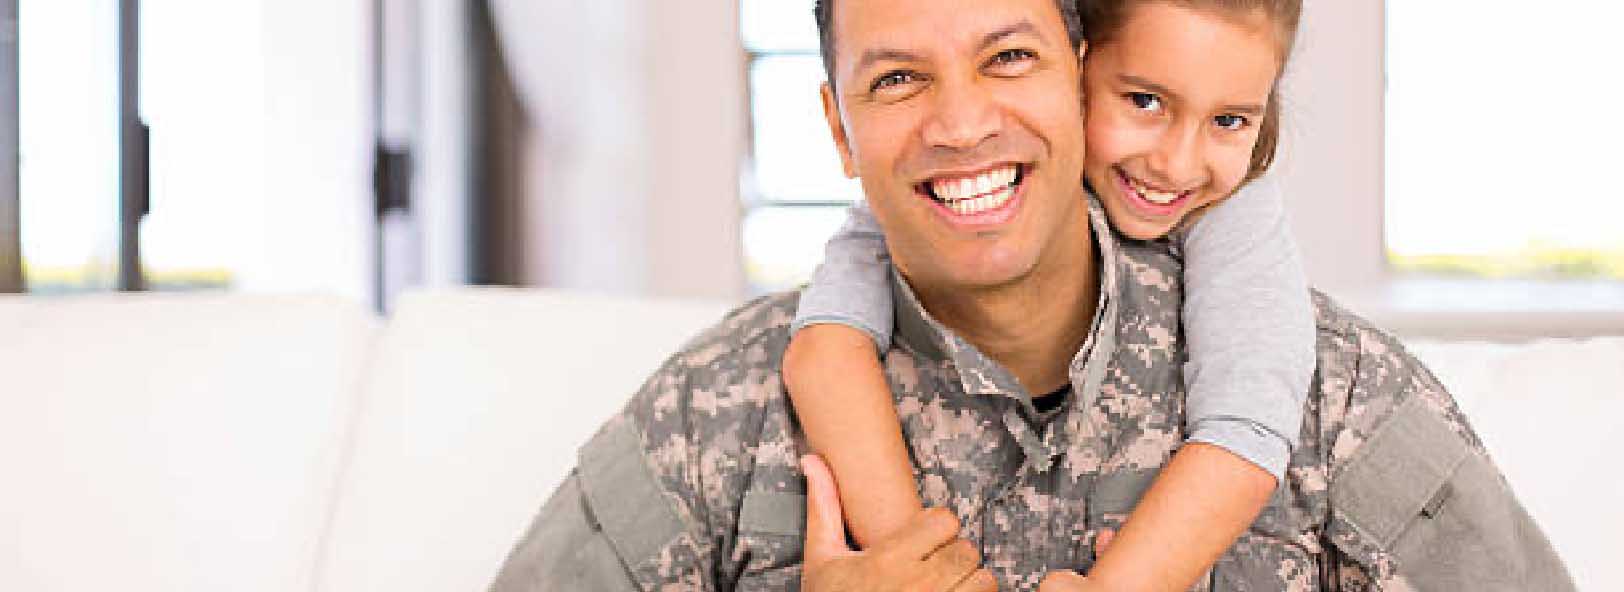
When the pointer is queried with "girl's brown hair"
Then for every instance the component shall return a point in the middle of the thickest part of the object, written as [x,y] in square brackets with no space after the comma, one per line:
[1101,19]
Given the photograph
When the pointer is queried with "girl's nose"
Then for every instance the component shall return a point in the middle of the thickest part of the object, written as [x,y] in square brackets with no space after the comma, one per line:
[1179,160]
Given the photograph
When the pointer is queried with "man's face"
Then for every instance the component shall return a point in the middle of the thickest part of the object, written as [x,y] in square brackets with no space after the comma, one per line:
[963,119]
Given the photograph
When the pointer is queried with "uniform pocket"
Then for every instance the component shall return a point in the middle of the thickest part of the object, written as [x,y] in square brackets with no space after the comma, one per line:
[771,538]
[1441,510]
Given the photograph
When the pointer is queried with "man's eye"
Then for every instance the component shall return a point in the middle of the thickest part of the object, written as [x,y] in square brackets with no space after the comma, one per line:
[1231,122]
[1011,56]
[1145,101]
[892,79]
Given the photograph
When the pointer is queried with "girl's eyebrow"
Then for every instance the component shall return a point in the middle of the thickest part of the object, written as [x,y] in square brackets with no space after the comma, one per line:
[1244,109]
[1132,80]
[1166,93]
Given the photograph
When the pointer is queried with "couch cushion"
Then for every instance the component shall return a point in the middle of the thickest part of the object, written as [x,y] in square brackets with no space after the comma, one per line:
[171,442]
[1552,416]
[476,406]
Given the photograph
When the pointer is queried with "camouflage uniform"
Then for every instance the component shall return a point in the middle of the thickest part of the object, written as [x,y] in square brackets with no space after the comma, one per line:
[695,485]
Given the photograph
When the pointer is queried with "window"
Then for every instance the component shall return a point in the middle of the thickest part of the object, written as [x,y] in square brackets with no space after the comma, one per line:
[794,191]
[68,143]
[260,145]
[1502,140]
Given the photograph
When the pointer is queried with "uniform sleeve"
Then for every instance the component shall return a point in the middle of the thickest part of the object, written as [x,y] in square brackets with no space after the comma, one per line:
[852,285]
[564,549]
[610,526]
[1414,500]
[1249,323]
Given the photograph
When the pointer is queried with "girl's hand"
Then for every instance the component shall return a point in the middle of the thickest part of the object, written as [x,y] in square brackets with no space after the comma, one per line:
[1103,540]
[1066,581]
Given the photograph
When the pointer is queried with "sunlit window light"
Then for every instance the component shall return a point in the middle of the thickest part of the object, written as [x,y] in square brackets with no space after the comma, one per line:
[793,186]
[1502,140]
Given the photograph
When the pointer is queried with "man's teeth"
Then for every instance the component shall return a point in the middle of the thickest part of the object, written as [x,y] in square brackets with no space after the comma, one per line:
[1152,195]
[993,201]
[973,195]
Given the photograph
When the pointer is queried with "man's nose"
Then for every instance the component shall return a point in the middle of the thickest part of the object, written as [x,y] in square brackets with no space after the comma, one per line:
[1179,158]
[964,116]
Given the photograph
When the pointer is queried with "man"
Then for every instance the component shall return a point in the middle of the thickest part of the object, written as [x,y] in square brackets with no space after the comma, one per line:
[698,483]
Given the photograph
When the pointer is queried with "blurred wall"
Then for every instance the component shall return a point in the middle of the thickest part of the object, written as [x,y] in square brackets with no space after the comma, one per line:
[698,76]
[639,114]
[637,119]
[1331,161]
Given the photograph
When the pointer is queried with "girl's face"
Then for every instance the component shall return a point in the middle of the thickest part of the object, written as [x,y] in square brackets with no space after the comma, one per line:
[1175,100]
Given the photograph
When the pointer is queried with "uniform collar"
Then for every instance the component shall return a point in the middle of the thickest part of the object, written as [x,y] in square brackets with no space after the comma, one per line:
[979,374]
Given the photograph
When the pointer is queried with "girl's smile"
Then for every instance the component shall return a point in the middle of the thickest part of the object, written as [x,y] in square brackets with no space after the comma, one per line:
[1151,201]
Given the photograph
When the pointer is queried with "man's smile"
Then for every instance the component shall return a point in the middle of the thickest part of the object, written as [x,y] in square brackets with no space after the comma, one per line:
[978,198]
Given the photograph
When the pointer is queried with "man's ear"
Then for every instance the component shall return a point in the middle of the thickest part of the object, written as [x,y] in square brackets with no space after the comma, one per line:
[837,130]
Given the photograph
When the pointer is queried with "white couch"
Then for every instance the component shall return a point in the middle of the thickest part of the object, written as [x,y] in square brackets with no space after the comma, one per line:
[286,443]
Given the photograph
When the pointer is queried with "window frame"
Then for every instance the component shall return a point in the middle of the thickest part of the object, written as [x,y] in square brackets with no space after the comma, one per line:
[11,260]
[1336,90]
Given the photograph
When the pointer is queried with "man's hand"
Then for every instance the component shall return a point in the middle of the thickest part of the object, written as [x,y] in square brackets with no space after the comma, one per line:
[925,555]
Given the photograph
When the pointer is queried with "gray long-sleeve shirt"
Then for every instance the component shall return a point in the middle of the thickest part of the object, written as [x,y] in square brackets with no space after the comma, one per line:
[1247,318]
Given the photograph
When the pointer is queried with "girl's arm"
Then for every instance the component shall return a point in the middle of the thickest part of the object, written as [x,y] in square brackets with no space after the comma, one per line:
[838,387]
[1250,330]
[1249,326]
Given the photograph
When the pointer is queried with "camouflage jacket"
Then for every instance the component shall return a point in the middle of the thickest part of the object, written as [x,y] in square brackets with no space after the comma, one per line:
[695,485]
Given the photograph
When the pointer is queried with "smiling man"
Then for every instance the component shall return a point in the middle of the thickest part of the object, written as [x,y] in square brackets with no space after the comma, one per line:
[963,119]
[977,183]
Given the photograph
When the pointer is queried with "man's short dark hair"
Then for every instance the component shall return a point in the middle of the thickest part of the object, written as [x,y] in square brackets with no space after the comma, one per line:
[824,12]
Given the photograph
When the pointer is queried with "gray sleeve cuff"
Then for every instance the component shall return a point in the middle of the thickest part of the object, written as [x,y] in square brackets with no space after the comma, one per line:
[1247,439]
[882,339]
[852,286]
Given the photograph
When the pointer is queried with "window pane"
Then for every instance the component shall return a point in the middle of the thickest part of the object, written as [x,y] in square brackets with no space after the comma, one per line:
[783,245]
[206,146]
[1501,140]
[68,143]
[795,159]
[261,137]
[778,25]
[260,163]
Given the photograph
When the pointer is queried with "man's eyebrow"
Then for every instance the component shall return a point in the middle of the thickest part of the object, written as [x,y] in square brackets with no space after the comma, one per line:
[870,57]
[1018,28]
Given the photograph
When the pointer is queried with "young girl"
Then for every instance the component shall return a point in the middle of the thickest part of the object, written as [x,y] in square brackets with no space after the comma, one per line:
[1182,112]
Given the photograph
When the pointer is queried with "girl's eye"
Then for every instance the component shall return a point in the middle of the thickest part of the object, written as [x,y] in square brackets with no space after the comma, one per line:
[893,79]
[1145,101]
[1231,122]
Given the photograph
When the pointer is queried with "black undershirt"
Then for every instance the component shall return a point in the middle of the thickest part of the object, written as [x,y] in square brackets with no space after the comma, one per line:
[1051,401]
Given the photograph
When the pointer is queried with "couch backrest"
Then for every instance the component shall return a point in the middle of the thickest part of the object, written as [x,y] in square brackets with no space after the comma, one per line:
[477,402]
[171,442]
[196,442]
